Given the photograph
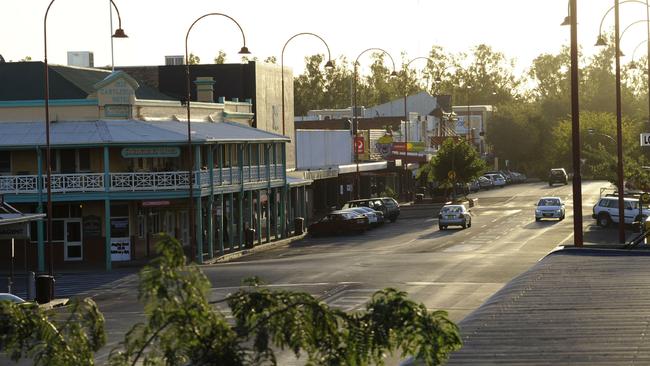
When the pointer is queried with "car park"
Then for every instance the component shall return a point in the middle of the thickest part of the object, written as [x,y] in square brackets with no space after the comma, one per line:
[558,175]
[375,218]
[457,215]
[550,208]
[339,222]
[606,211]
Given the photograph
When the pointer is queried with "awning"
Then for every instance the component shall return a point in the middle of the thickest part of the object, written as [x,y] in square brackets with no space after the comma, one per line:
[298,182]
[363,167]
[127,132]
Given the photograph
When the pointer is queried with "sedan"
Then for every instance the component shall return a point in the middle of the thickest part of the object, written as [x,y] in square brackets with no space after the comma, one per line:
[485,183]
[550,208]
[339,222]
[375,218]
[454,215]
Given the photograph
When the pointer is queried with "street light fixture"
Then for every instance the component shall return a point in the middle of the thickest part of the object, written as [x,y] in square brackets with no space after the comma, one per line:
[328,65]
[190,164]
[119,33]
[354,109]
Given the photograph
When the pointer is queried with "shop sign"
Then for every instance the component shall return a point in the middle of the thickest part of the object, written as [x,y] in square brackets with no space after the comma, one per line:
[120,249]
[91,226]
[151,152]
[359,145]
[117,110]
[155,203]
[15,231]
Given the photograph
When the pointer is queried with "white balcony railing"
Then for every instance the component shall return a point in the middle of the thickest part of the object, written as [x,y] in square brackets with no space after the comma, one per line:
[139,181]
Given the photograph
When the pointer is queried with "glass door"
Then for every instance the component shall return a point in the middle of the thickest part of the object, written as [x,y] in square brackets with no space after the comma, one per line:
[73,242]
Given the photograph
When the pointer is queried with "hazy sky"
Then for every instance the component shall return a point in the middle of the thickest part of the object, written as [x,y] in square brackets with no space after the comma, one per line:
[521,29]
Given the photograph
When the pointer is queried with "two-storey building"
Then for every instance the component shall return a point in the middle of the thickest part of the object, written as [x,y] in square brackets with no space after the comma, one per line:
[120,172]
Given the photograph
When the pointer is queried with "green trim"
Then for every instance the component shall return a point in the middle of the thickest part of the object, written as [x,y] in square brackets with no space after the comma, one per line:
[41,102]
[116,75]
[238,115]
[107,235]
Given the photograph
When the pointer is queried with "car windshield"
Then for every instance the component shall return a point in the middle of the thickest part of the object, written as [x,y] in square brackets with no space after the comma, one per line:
[452,209]
[557,172]
[549,202]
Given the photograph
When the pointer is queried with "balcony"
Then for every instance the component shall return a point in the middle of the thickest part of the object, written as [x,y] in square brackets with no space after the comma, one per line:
[139,181]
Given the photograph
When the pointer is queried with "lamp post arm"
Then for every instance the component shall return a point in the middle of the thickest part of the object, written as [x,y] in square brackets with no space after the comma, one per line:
[119,18]
[329,58]
[600,28]
[356,61]
[630,25]
[207,15]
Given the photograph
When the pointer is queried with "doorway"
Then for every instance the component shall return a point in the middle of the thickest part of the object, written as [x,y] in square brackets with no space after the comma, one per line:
[73,241]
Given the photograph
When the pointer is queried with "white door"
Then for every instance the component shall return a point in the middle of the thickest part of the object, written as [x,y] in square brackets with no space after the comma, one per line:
[73,241]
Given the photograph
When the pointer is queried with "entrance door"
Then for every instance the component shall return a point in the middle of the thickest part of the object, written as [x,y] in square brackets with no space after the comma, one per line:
[73,248]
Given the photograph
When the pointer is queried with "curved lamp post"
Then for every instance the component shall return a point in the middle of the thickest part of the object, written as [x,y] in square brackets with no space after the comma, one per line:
[119,33]
[355,125]
[243,51]
[328,65]
[619,129]
[633,65]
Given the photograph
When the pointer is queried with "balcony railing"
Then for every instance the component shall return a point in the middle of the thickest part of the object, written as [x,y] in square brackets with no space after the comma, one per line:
[138,181]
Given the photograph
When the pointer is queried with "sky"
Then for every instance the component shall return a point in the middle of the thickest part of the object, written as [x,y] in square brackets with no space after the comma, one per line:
[521,29]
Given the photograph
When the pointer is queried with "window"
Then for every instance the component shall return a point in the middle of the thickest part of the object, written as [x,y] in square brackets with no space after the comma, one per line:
[5,162]
[604,203]
[254,154]
[83,156]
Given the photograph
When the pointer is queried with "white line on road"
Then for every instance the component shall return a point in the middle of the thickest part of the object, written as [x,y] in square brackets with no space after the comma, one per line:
[291,285]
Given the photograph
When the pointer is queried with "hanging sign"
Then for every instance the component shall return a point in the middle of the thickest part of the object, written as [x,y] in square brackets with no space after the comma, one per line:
[645,139]
[120,249]
[17,231]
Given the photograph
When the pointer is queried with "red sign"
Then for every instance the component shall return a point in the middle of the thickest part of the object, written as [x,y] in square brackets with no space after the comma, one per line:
[359,145]
[399,146]
[155,203]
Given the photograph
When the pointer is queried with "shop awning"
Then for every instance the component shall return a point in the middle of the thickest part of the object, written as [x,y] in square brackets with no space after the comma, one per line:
[298,182]
[363,167]
[127,132]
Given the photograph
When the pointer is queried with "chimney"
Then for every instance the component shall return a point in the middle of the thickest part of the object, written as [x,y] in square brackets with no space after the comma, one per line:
[204,89]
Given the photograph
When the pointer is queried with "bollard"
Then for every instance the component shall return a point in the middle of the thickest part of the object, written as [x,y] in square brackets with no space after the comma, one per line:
[31,285]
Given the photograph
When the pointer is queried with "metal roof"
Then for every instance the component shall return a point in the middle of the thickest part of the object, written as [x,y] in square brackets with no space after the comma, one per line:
[576,306]
[106,132]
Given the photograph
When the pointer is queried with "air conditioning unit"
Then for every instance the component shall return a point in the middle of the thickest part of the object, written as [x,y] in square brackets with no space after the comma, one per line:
[81,59]
[174,60]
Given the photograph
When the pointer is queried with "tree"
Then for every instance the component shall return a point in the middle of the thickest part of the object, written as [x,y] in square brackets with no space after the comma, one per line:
[220,58]
[271,60]
[26,331]
[194,59]
[457,156]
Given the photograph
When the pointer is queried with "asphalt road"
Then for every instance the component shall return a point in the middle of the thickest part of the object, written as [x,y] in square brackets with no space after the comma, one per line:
[454,270]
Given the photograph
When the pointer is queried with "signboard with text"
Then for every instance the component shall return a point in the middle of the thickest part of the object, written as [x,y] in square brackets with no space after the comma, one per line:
[120,249]
[151,152]
[359,145]
[15,231]
[645,139]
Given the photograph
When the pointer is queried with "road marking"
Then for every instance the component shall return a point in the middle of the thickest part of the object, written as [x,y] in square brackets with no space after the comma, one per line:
[462,248]
[289,285]
[433,283]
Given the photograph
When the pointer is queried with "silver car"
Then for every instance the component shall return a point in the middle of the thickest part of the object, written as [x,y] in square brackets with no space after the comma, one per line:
[454,215]
[550,208]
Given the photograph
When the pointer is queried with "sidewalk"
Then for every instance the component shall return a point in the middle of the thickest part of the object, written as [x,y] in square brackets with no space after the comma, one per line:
[258,248]
[576,306]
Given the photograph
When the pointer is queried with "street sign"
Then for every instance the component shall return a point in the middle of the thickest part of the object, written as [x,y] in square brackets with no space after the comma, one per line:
[451,175]
[359,145]
[17,231]
[645,139]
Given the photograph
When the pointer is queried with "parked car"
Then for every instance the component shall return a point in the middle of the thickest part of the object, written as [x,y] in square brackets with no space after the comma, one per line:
[558,175]
[506,175]
[4,296]
[485,183]
[550,208]
[375,218]
[454,215]
[497,179]
[474,186]
[387,205]
[339,222]
[605,211]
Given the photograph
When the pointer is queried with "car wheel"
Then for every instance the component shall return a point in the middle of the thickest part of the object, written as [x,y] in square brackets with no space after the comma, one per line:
[537,219]
[469,224]
[464,225]
[441,227]
[393,219]
[604,220]
[561,217]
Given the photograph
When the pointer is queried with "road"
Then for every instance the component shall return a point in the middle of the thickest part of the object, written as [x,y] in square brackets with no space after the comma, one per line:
[454,270]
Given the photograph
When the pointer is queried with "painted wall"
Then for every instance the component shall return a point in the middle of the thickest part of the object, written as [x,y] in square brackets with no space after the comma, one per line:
[323,148]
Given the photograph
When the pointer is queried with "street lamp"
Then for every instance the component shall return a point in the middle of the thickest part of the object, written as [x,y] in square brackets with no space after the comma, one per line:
[354,109]
[572,20]
[190,169]
[328,65]
[619,128]
[119,33]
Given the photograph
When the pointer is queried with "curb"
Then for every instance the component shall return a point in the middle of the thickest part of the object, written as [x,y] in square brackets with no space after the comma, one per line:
[260,248]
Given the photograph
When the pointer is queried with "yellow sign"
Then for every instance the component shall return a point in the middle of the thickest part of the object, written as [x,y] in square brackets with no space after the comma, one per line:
[451,175]
[645,198]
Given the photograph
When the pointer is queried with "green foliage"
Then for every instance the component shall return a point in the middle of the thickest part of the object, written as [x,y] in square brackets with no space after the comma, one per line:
[183,328]
[26,331]
[194,59]
[457,156]
[220,58]
[389,192]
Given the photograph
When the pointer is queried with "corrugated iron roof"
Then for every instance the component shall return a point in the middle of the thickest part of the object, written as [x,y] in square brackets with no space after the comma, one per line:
[576,306]
[71,133]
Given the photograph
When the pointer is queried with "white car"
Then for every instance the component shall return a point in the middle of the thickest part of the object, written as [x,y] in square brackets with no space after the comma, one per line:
[497,179]
[454,215]
[372,215]
[550,208]
[605,211]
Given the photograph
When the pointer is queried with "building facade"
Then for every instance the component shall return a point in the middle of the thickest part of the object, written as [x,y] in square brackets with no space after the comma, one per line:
[121,173]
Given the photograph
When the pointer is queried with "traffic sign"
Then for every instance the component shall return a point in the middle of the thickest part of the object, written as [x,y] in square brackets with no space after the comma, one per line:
[645,139]
[645,198]
[359,145]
